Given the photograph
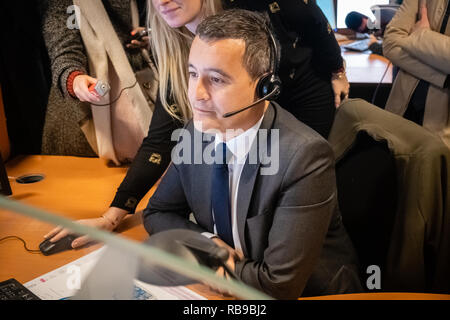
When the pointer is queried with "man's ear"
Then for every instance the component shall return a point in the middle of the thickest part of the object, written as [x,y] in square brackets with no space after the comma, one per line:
[254,85]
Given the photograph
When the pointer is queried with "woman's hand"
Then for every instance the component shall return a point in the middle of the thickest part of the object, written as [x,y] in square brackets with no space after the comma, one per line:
[143,42]
[340,86]
[109,221]
[423,22]
[81,85]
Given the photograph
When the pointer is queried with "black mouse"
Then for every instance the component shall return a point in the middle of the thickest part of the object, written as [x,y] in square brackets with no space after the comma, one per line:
[47,248]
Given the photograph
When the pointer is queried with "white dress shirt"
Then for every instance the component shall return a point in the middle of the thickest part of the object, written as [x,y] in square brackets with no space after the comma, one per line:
[239,147]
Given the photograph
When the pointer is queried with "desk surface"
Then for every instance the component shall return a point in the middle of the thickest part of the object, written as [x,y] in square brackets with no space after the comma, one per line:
[80,188]
[76,188]
[366,68]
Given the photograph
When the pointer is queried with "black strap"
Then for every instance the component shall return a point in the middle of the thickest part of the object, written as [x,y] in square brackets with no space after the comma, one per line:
[445,21]
[443,27]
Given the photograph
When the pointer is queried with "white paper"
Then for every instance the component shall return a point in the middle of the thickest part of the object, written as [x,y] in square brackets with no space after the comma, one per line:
[57,284]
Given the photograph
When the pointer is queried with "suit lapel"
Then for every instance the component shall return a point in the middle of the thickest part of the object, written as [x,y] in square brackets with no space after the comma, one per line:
[203,179]
[248,178]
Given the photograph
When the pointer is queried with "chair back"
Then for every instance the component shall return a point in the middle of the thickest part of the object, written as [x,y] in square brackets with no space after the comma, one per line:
[393,180]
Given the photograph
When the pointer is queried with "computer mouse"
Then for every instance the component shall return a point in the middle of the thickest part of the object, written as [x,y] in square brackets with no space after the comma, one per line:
[47,248]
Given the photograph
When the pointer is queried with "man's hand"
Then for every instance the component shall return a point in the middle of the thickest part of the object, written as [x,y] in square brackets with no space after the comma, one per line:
[108,221]
[423,22]
[372,39]
[341,88]
[143,42]
[233,256]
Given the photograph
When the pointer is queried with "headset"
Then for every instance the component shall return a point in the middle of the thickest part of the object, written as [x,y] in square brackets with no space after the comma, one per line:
[269,85]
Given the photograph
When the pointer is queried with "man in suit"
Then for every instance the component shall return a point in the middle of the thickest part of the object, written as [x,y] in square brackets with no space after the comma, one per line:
[276,215]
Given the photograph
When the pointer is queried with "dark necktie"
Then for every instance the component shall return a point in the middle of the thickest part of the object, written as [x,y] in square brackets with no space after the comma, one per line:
[221,195]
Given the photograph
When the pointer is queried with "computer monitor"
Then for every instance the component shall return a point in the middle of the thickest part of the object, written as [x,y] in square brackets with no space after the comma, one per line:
[5,187]
[329,10]
[344,7]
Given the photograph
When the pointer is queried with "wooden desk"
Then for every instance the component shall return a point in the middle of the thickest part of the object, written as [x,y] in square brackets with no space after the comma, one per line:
[365,72]
[76,188]
[80,188]
[367,68]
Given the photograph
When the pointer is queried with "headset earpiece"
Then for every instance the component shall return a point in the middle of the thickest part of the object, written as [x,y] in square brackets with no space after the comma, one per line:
[269,84]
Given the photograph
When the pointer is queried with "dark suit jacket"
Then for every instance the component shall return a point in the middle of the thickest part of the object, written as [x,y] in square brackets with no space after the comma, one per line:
[289,226]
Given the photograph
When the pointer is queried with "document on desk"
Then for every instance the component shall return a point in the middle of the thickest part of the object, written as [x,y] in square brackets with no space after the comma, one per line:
[63,283]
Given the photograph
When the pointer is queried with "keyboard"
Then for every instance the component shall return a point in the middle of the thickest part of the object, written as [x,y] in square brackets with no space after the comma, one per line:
[361,45]
[11,289]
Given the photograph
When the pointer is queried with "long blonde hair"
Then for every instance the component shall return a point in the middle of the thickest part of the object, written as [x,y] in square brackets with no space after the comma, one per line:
[171,47]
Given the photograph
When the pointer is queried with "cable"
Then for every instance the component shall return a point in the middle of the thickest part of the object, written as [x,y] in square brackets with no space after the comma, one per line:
[120,93]
[23,241]
[379,83]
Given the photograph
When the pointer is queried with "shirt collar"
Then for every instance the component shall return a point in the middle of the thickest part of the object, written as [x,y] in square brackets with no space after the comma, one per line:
[241,144]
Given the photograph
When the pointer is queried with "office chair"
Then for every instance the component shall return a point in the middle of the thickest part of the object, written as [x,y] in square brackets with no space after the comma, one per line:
[367,196]
[393,191]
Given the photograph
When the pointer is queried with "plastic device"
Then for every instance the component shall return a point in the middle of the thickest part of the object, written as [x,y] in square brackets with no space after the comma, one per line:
[101,88]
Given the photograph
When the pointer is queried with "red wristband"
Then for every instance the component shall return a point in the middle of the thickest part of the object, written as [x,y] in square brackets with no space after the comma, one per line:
[69,83]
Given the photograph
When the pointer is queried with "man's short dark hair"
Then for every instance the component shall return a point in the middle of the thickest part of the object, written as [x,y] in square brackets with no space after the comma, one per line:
[354,19]
[252,27]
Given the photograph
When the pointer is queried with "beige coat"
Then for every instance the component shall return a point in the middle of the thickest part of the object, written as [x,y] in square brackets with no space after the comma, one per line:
[117,129]
[424,54]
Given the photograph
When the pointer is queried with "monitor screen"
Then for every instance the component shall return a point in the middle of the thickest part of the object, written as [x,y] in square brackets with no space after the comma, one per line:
[329,11]
[362,6]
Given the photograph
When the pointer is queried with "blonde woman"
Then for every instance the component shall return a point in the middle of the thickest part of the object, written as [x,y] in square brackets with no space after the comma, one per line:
[311,69]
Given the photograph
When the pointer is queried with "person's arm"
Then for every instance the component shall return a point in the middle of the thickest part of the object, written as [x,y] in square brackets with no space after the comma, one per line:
[300,223]
[396,36]
[64,45]
[375,46]
[150,162]
[168,207]
[430,47]
[143,173]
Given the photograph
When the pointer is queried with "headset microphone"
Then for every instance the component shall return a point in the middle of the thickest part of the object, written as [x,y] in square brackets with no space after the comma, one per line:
[274,92]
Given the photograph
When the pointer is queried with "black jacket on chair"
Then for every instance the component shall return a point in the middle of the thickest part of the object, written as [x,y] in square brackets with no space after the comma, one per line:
[418,252]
